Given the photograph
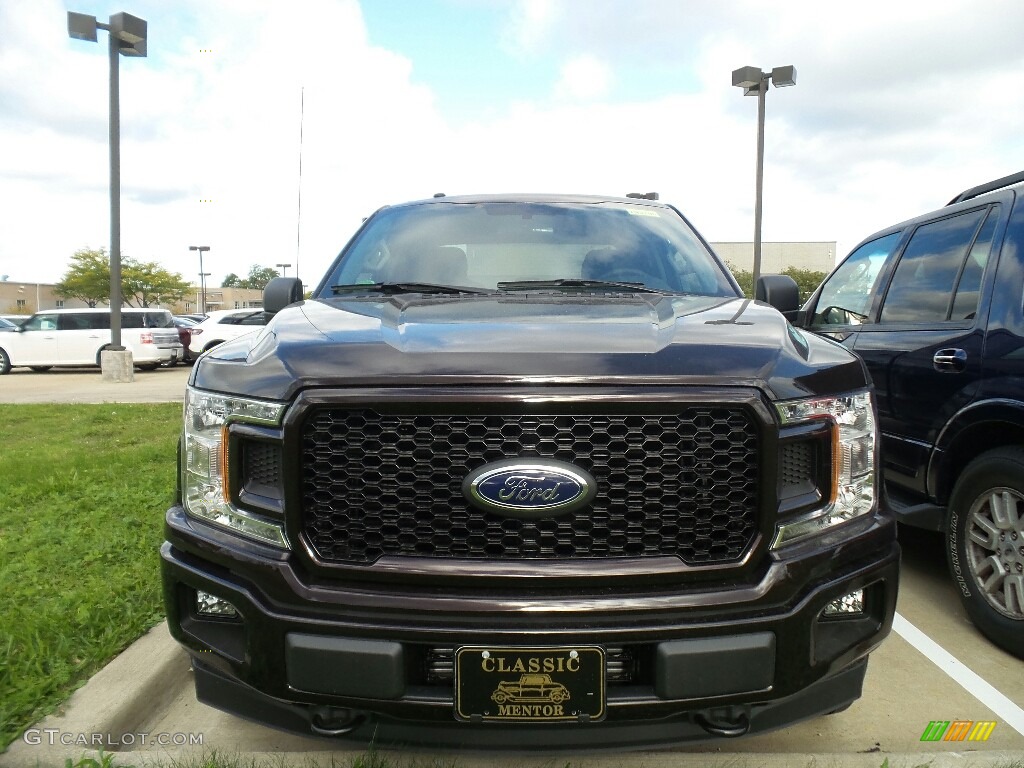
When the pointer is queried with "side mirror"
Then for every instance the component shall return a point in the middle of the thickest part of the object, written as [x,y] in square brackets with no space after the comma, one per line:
[280,292]
[781,291]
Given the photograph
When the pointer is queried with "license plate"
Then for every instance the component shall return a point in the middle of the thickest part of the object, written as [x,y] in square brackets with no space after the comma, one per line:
[538,684]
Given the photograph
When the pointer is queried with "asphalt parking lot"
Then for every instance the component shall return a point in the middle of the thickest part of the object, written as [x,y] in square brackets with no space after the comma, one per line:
[934,666]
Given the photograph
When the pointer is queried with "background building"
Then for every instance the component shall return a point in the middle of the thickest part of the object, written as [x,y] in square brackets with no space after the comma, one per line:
[219,298]
[20,298]
[775,257]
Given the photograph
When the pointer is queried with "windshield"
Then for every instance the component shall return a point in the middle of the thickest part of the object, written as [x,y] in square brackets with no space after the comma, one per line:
[511,245]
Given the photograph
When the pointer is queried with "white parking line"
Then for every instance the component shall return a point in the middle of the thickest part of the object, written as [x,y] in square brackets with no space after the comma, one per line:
[971,682]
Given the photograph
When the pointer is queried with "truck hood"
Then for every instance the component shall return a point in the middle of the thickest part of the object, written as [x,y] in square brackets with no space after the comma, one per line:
[520,338]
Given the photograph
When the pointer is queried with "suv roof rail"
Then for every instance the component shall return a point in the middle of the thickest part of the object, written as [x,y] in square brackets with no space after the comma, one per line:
[643,195]
[988,186]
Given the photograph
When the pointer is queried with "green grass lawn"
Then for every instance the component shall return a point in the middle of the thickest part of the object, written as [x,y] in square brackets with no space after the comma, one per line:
[83,491]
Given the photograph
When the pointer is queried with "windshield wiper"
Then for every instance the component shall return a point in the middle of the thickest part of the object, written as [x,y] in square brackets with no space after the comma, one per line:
[391,289]
[574,284]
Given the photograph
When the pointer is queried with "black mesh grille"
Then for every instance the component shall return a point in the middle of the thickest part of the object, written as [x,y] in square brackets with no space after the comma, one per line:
[798,472]
[262,468]
[683,483]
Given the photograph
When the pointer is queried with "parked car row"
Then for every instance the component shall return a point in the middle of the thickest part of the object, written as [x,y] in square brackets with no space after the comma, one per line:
[75,337]
[61,337]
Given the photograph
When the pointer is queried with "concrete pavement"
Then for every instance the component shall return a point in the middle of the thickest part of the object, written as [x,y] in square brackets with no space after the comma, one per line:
[86,385]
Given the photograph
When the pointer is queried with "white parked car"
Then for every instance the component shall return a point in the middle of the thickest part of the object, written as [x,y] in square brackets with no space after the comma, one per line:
[223,325]
[57,337]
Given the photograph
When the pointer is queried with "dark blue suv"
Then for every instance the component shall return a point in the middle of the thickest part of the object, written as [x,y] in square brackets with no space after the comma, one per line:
[935,308]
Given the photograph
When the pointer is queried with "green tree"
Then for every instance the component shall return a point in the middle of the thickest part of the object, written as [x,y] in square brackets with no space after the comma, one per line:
[87,278]
[147,283]
[259,277]
[142,283]
[807,280]
[231,281]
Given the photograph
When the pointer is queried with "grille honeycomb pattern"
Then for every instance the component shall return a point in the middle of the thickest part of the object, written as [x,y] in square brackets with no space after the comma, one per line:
[798,469]
[682,483]
[262,463]
[261,468]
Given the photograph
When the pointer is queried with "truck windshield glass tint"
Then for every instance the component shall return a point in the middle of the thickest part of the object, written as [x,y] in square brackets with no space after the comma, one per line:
[481,245]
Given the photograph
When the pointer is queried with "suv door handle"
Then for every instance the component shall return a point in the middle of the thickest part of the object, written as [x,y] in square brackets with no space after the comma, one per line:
[950,360]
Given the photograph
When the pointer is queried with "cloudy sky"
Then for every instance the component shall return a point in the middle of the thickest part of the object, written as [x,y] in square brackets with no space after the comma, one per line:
[898,106]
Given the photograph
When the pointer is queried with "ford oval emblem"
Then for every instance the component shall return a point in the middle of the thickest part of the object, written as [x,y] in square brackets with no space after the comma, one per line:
[529,488]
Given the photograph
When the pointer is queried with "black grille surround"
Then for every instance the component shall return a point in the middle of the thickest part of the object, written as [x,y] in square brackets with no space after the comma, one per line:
[384,480]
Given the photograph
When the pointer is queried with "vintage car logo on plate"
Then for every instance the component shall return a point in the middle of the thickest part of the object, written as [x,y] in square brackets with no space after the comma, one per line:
[529,488]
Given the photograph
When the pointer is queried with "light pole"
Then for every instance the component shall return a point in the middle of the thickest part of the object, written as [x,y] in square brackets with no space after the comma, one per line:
[753,81]
[127,36]
[202,276]
[284,269]
[202,289]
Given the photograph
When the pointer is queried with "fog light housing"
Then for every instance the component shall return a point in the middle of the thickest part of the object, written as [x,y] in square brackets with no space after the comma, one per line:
[851,604]
[211,605]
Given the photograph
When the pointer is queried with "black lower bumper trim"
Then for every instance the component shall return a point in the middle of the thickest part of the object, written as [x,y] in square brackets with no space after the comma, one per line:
[223,692]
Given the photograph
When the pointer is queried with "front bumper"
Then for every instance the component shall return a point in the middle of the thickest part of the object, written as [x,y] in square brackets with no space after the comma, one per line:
[348,658]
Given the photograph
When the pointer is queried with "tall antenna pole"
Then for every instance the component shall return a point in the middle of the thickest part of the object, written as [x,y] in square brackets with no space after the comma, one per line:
[298,216]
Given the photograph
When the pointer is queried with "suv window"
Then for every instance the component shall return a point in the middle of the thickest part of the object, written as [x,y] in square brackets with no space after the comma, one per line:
[41,323]
[99,321]
[921,290]
[846,298]
[146,320]
[77,321]
[965,302]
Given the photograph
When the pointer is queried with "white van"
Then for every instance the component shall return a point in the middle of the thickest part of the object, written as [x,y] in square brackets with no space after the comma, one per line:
[77,336]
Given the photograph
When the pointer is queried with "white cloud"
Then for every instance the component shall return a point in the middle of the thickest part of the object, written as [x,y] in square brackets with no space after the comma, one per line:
[584,78]
[530,23]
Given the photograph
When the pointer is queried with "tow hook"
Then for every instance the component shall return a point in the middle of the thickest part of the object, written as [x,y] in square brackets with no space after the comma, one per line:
[334,721]
[723,723]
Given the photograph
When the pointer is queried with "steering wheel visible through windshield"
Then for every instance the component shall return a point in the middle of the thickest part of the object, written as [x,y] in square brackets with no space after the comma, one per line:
[488,246]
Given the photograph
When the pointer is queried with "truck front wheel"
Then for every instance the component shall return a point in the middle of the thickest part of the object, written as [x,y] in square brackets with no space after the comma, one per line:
[985,545]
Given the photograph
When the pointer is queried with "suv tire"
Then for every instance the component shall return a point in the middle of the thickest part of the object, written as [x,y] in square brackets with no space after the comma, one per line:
[985,532]
[5,363]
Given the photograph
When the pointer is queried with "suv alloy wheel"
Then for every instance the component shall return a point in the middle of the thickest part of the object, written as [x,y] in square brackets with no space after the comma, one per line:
[985,543]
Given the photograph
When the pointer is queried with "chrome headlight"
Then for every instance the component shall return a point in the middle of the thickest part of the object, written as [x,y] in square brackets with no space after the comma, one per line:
[853,493]
[205,491]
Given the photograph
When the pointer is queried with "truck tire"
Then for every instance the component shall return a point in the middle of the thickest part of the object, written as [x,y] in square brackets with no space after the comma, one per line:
[985,545]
